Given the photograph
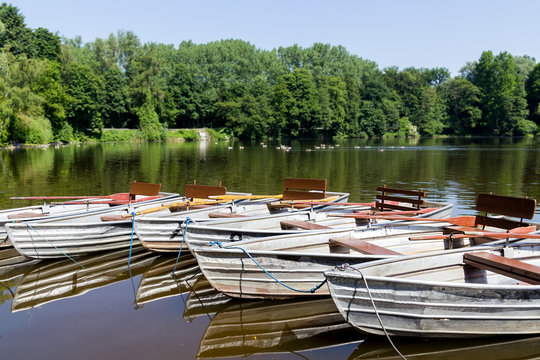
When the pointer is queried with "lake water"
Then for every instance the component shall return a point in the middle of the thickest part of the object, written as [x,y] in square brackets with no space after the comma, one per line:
[55,310]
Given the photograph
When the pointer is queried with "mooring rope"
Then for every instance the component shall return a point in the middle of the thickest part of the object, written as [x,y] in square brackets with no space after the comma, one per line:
[132,232]
[66,255]
[267,273]
[346,266]
[186,222]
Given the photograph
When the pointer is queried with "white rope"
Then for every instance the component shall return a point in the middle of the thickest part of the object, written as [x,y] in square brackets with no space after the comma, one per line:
[377,314]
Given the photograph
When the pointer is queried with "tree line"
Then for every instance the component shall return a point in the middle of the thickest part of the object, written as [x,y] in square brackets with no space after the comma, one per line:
[53,88]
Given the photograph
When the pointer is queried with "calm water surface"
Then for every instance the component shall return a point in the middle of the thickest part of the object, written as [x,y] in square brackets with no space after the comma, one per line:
[55,310]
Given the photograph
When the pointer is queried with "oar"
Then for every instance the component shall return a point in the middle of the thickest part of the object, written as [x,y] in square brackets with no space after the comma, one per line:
[468,234]
[64,197]
[325,201]
[182,203]
[458,220]
[245,197]
[304,202]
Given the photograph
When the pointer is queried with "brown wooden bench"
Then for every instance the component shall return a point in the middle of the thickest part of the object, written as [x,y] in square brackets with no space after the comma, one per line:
[137,188]
[305,225]
[304,189]
[399,199]
[361,246]
[512,268]
[300,189]
[495,206]
[142,188]
[193,191]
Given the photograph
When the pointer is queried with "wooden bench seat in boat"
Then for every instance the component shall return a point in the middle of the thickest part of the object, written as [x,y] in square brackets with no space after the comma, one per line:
[361,246]
[217,215]
[396,202]
[513,268]
[25,214]
[300,224]
[194,191]
[493,208]
[142,188]
[301,189]
[137,188]
[399,199]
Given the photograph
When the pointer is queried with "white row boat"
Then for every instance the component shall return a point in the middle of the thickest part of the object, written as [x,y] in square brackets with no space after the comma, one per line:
[443,295]
[81,233]
[239,229]
[299,260]
[165,233]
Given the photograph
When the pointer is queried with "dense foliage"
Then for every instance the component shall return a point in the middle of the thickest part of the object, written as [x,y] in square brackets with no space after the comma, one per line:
[62,89]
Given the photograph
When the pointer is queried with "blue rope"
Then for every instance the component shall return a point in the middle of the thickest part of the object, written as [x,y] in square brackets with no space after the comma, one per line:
[182,244]
[132,231]
[66,255]
[3,241]
[267,273]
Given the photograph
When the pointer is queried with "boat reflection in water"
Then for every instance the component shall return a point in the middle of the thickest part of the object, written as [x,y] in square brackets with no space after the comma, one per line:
[53,280]
[159,282]
[493,349]
[12,262]
[246,328]
[204,300]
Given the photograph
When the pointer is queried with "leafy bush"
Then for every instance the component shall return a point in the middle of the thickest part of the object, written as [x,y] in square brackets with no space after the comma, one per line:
[65,133]
[525,127]
[406,128]
[30,130]
[149,123]
[187,134]
[219,134]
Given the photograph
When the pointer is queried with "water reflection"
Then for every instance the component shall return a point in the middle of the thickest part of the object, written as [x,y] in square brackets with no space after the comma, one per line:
[159,282]
[493,349]
[448,169]
[249,328]
[185,316]
[204,300]
[54,280]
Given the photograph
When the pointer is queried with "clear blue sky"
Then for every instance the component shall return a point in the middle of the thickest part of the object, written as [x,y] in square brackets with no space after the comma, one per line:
[419,33]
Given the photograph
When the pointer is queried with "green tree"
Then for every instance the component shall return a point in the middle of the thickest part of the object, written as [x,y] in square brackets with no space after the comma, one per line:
[296,105]
[463,100]
[83,90]
[503,103]
[533,94]
[148,120]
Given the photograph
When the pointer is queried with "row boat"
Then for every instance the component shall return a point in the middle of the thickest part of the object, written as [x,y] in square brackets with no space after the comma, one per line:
[77,205]
[476,292]
[299,260]
[79,234]
[160,234]
[165,233]
[238,229]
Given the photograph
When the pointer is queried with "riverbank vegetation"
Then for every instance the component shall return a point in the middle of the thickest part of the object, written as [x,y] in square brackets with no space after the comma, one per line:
[54,89]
